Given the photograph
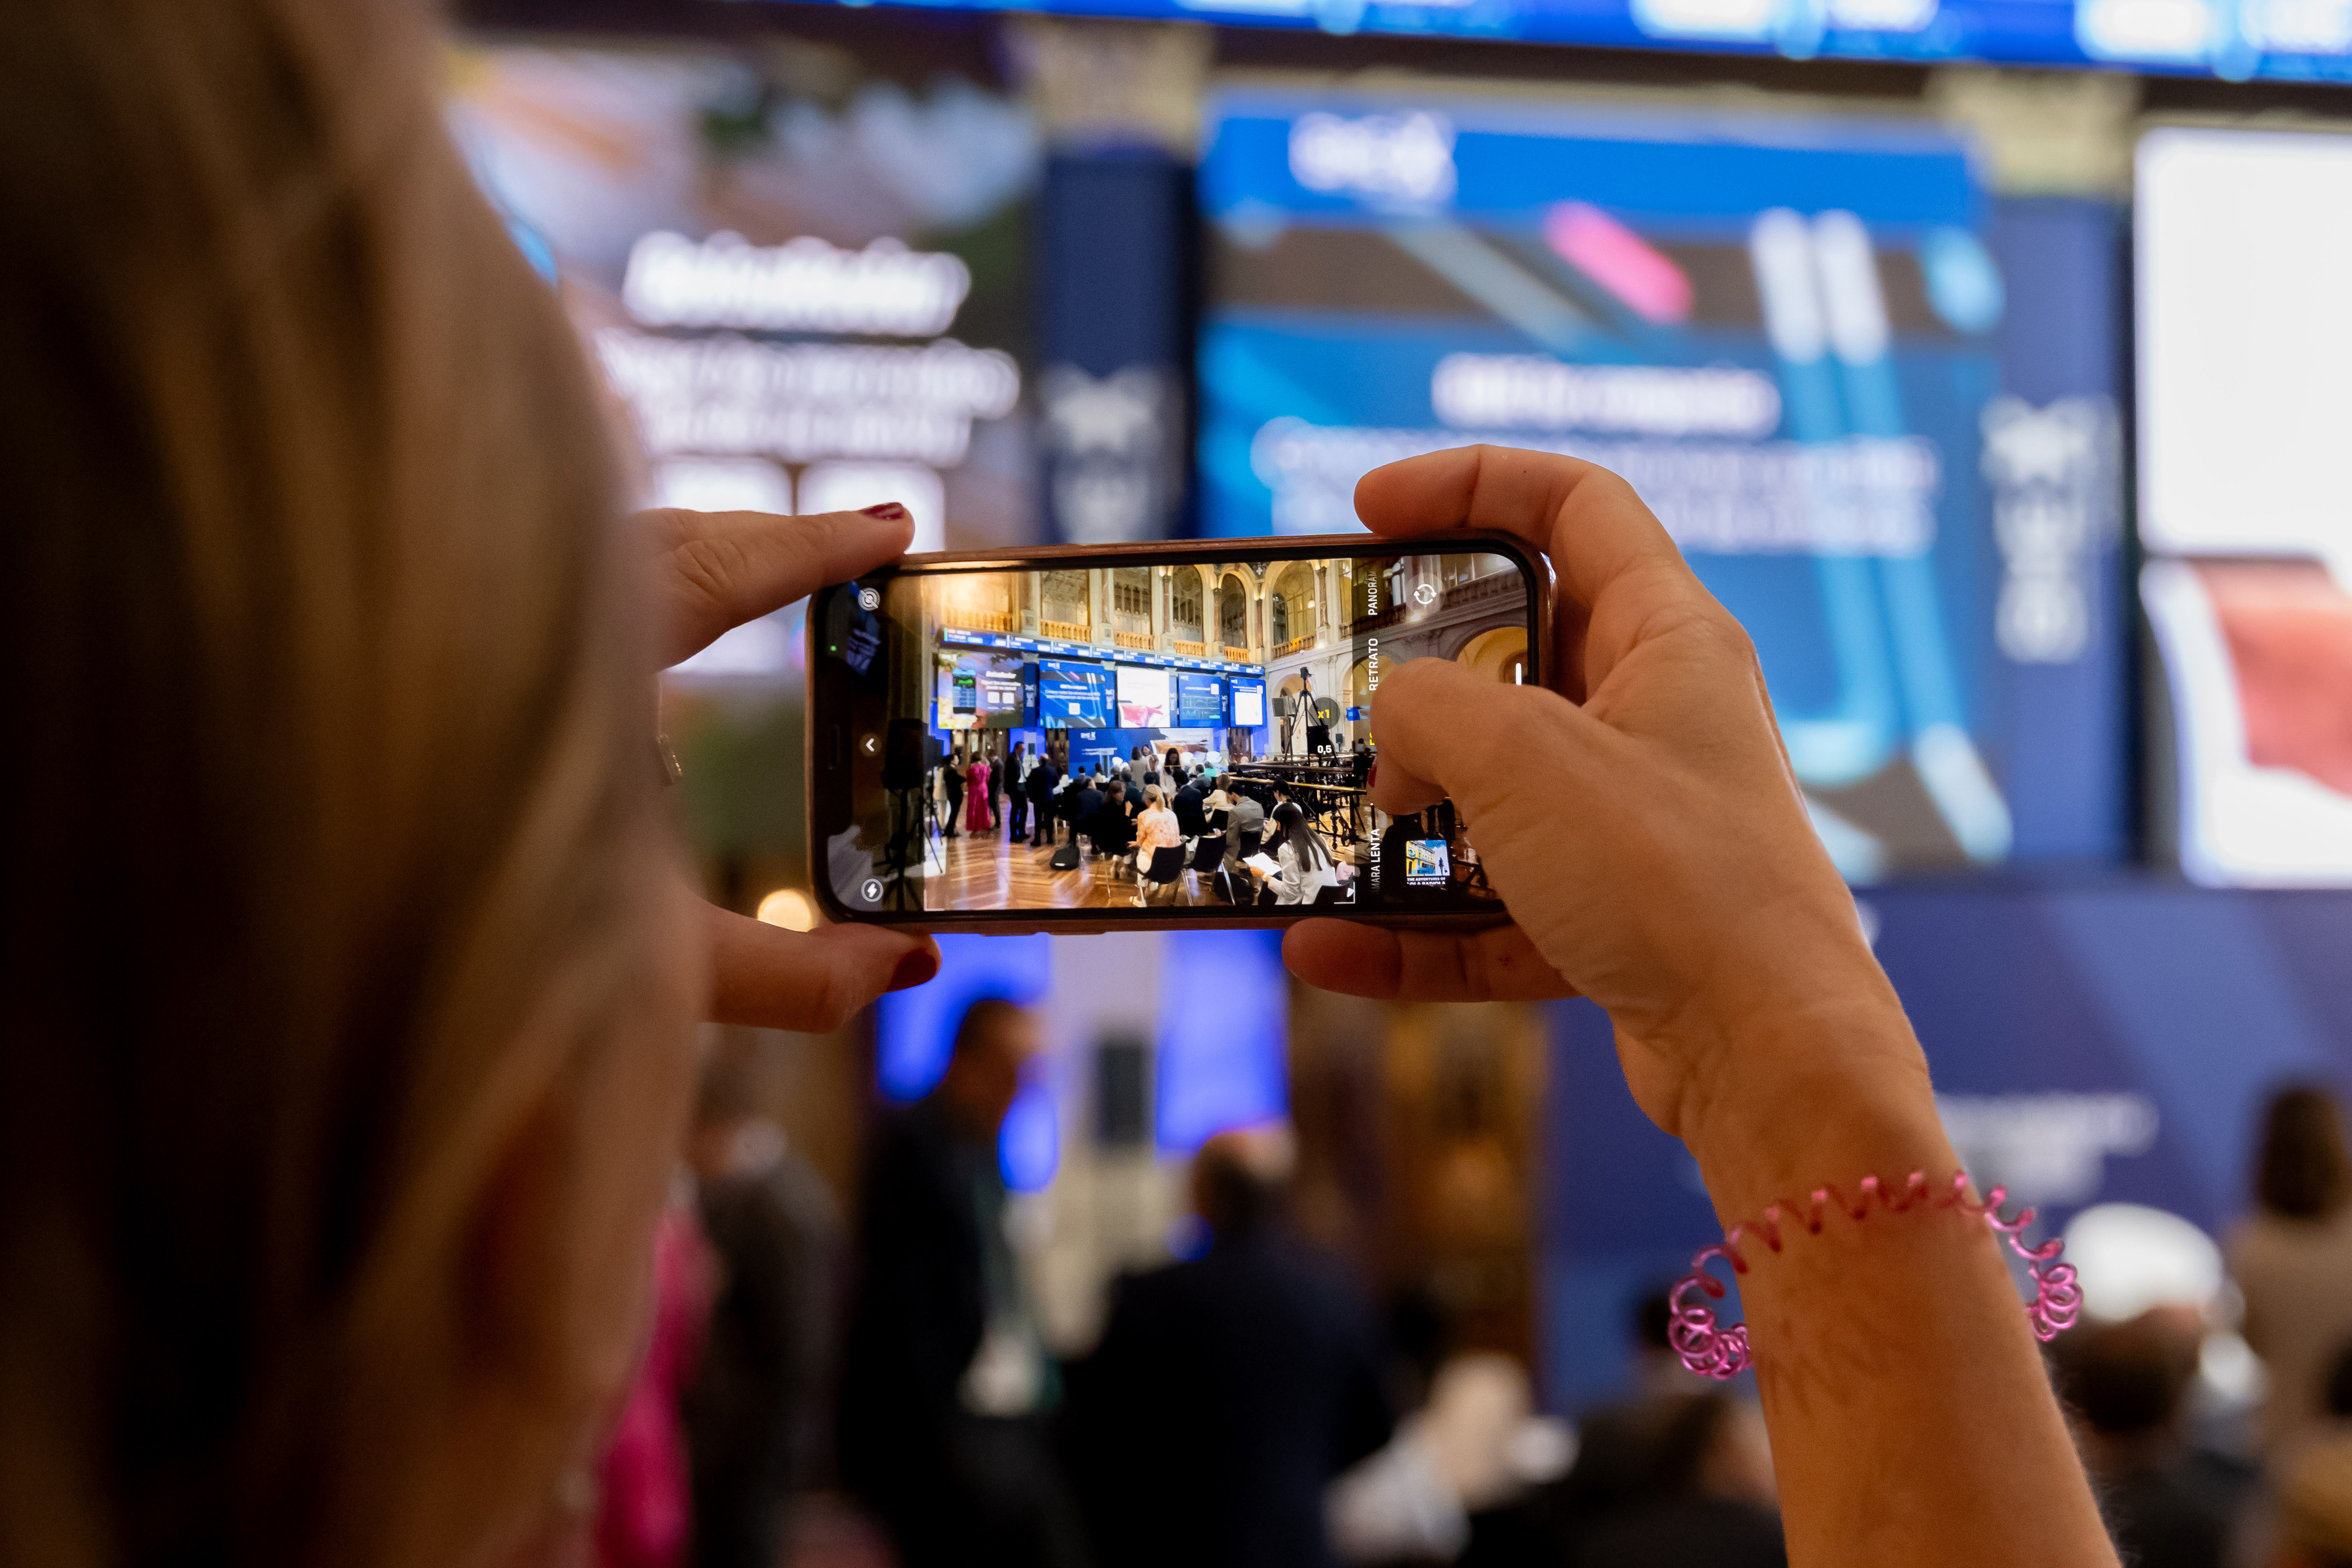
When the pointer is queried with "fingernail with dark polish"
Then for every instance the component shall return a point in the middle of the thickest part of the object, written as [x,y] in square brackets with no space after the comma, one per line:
[889,511]
[914,969]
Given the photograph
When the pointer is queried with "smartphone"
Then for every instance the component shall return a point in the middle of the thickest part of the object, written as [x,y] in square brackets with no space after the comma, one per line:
[1147,736]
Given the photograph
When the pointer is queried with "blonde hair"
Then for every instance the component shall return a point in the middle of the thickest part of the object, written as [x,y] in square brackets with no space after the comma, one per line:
[335,923]
[1151,797]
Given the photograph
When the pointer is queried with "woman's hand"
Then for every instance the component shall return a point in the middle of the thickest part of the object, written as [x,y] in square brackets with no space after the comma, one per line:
[1639,818]
[1641,823]
[714,571]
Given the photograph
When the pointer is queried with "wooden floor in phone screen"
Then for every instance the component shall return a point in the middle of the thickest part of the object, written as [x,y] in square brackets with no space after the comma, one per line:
[989,873]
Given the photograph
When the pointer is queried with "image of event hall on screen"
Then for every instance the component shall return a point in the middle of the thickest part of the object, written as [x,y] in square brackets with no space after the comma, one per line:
[1058,699]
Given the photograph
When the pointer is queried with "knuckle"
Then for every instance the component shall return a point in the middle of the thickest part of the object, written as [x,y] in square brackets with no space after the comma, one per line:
[709,567]
[828,1003]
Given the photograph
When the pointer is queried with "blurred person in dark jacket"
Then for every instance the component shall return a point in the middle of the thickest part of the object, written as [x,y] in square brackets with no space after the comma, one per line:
[946,1382]
[1044,779]
[752,1421]
[2168,1505]
[1675,1479]
[1227,1391]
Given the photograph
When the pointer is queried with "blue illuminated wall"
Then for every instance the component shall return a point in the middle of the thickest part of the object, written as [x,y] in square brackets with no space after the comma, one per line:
[1219,1014]
[1224,999]
[2054,1010]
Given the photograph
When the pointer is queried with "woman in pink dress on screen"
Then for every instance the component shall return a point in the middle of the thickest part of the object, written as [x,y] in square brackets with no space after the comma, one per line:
[977,817]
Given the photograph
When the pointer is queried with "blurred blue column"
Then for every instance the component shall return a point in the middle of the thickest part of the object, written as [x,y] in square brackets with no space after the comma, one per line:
[2054,456]
[1114,333]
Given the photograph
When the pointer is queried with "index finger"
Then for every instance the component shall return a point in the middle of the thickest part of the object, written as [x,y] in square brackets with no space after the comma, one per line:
[1619,569]
[720,569]
[1589,522]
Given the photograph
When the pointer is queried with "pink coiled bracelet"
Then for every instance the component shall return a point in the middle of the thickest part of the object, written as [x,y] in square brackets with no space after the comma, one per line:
[1719,1353]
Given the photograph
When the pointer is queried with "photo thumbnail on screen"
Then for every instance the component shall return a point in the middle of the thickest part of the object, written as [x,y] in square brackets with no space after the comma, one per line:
[1189,737]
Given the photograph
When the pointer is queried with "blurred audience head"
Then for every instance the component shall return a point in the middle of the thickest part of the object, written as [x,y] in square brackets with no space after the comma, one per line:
[2125,1383]
[1681,1445]
[1239,1180]
[346,974]
[733,1136]
[2303,1171]
[994,1042]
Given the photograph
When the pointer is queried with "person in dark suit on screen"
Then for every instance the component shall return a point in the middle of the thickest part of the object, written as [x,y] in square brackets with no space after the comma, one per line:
[1042,780]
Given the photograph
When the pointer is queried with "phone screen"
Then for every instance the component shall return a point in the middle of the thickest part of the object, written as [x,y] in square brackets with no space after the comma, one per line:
[1178,737]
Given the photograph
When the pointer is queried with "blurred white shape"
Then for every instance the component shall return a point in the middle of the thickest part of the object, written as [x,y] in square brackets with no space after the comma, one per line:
[2130,1258]
[1849,272]
[2297,27]
[722,484]
[2177,30]
[1882,16]
[1706,18]
[1475,1444]
[1542,1450]
[2230,1370]
[2046,1148]
[1393,157]
[804,401]
[1483,392]
[853,487]
[803,285]
[2055,507]
[1782,252]
[1396,1506]
[2244,244]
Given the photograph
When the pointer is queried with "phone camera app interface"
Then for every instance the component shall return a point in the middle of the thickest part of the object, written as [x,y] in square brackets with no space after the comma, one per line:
[1191,737]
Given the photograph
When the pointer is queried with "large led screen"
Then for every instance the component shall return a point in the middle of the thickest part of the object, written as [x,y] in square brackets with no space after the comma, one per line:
[2291,39]
[1073,694]
[1144,699]
[1249,702]
[2244,302]
[1792,336]
[1200,700]
[805,298]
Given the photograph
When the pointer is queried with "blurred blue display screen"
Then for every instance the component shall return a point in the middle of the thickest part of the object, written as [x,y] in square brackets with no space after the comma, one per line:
[1223,1001]
[1200,700]
[1784,333]
[2285,39]
[1074,695]
[915,1034]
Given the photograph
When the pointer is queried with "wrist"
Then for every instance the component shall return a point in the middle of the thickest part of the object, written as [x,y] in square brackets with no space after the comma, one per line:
[1803,1095]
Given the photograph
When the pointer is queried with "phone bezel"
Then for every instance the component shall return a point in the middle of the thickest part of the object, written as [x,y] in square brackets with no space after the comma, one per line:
[830,768]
